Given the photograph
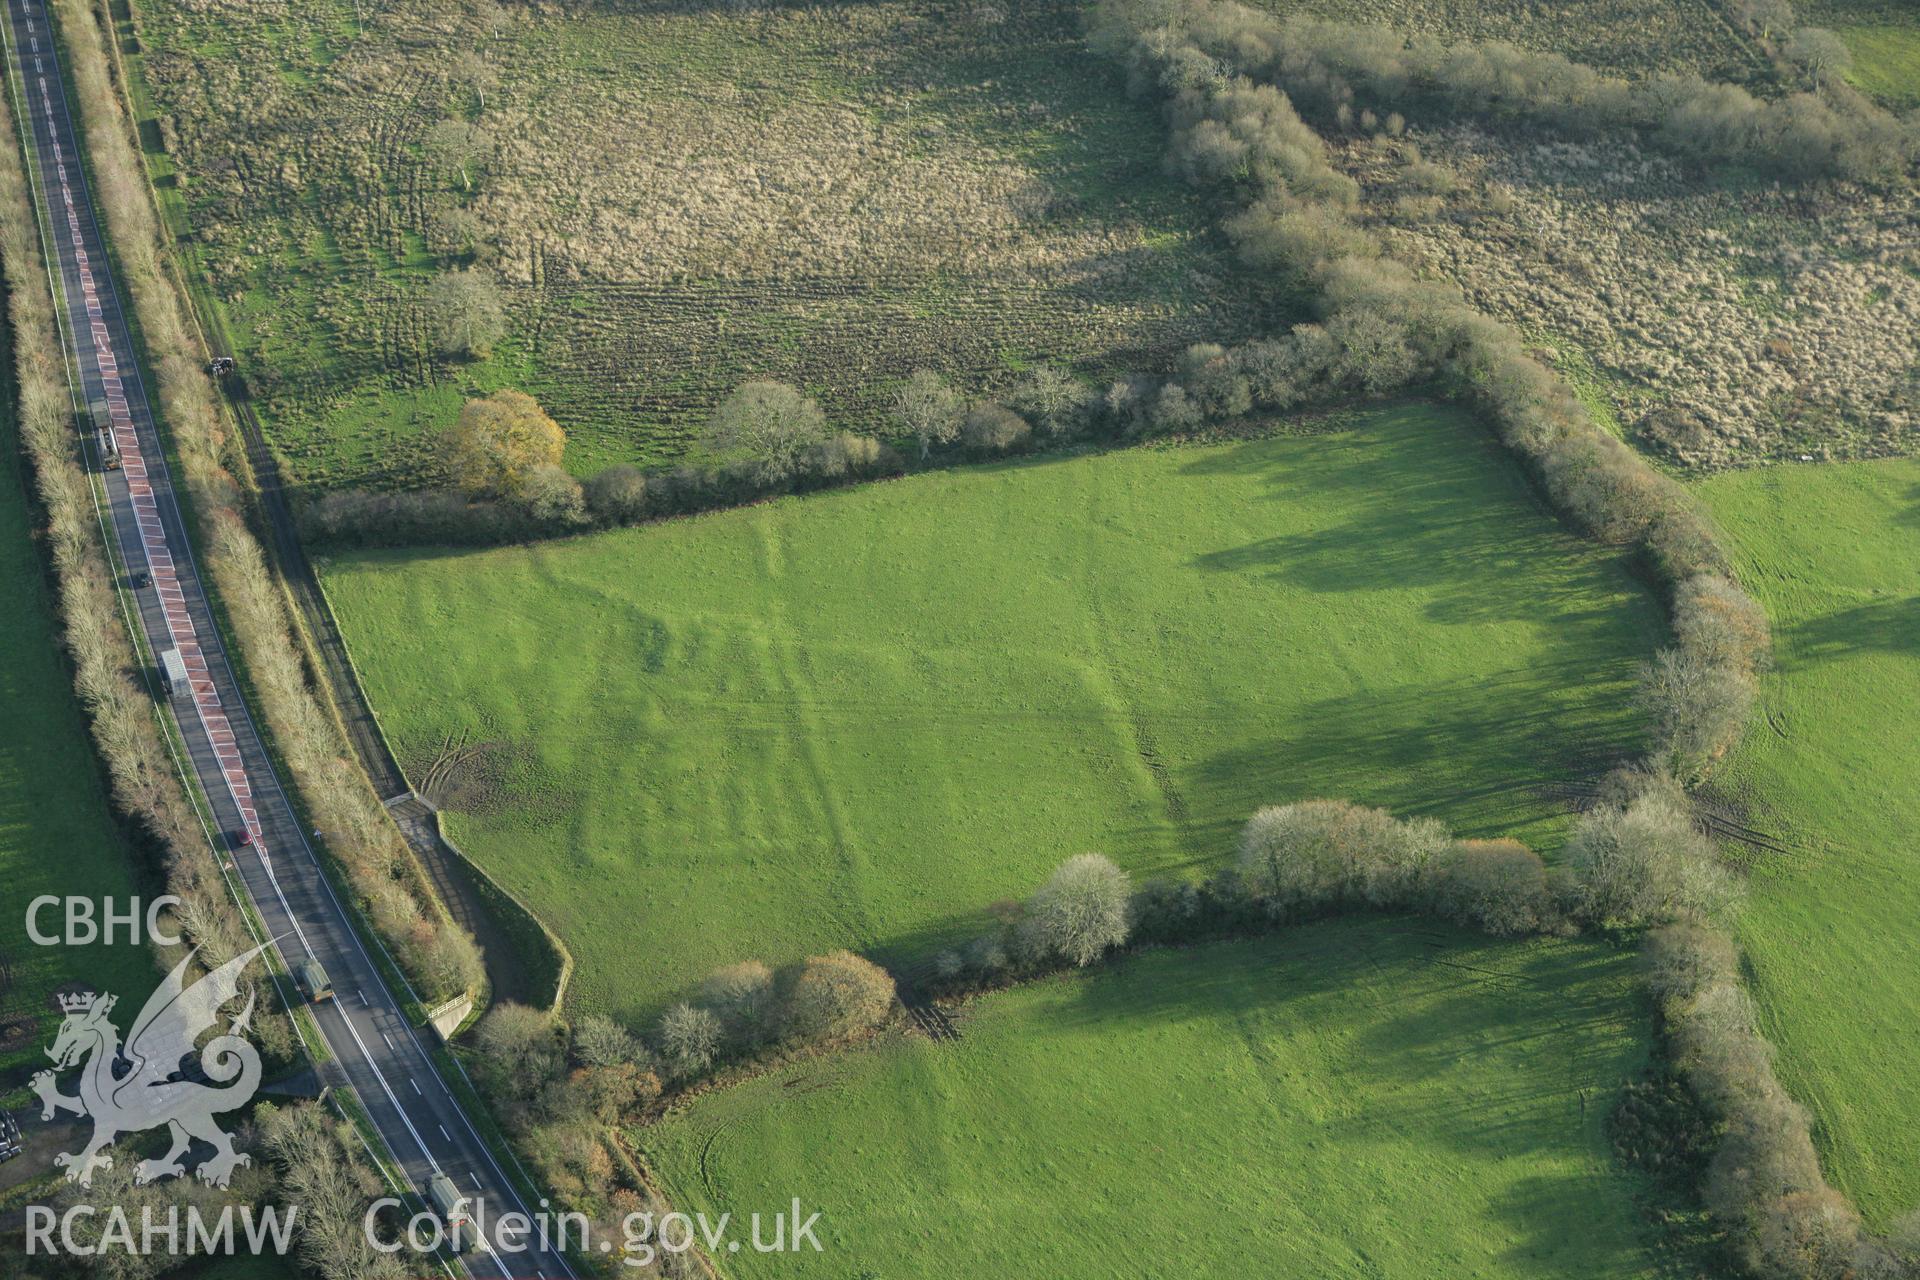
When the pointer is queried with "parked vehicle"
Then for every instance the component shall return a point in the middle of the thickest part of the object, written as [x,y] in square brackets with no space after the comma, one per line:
[140,579]
[109,451]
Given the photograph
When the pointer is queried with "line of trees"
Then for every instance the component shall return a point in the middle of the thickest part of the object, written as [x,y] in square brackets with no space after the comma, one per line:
[1381,329]
[437,955]
[1636,859]
[1332,70]
[562,1098]
[1256,68]
[742,1013]
[317,1160]
[564,1091]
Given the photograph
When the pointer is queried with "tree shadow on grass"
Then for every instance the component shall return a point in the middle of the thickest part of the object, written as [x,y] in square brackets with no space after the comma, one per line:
[1428,501]
[1479,744]
[1484,1049]
[1885,626]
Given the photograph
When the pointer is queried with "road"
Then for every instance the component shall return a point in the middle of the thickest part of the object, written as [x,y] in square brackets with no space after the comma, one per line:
[372,1046]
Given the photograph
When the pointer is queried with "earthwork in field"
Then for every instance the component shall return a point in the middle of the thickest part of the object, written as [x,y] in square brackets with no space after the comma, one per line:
[859,719]
[875,716]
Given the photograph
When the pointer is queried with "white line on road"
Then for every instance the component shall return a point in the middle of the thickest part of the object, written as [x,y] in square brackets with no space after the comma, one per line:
[416,1087]
[388,1039]
[443,1132]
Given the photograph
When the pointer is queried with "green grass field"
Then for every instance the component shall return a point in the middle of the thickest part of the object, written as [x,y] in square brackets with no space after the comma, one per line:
[1368,1097]
[861,717]
[56,834]
[1884,38]
[1886,61]
[1834,554]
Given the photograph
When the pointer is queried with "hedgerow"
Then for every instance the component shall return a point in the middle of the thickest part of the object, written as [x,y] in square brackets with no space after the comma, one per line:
[1333,69]
[1636,860]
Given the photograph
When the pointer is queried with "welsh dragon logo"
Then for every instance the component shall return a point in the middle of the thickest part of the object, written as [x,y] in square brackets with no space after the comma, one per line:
[142,1086]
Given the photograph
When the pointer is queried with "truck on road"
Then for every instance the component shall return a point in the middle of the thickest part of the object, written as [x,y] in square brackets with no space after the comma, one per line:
[452,1208]
[173,672]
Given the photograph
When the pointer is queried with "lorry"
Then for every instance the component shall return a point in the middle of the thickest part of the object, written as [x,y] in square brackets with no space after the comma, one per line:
[109,451]
[452,1208]
[313,981]
[173,672]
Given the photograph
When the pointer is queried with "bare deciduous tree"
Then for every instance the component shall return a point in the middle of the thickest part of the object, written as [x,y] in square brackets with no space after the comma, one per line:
[742,995]
[1699,707]
[459,147]
[773,424]
[1644,863]
[929,409]
[838,994]
[471,68]
[1820,53]
[618,495]
[599,1041]
[1499,886]
[689,1038]
[468,313]
[1054,401]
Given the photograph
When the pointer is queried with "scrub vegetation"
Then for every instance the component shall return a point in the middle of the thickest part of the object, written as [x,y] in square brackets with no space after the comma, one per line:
[859,720]
[669,203]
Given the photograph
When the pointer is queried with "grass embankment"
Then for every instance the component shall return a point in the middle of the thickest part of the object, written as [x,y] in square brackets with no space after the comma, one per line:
[57,835]
[1363,1097]
[1834,554]
[860,718]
